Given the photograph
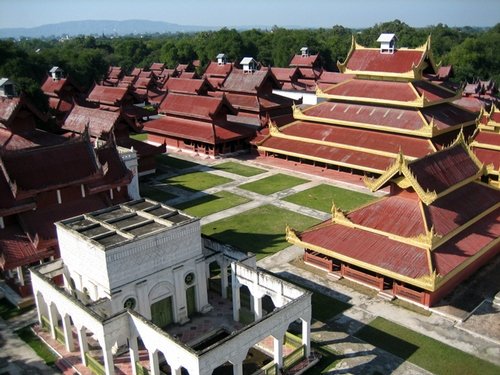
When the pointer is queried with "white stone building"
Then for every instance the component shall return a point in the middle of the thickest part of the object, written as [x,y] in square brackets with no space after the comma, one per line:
[135,281]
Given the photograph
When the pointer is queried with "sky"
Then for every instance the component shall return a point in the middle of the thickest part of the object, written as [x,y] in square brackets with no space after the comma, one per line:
[234,13]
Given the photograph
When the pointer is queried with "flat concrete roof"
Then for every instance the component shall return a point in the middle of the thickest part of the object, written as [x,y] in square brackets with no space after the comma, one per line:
[115,225]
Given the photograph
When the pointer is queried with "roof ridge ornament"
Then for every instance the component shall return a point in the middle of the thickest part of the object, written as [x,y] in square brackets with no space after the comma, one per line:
[339,216]
[291,234]
[273,128]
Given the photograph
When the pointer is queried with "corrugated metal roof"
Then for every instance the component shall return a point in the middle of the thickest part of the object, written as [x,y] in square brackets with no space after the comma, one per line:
[371,60]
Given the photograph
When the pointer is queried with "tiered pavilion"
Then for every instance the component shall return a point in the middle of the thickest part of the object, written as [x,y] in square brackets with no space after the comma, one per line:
[438,225]
[384,107]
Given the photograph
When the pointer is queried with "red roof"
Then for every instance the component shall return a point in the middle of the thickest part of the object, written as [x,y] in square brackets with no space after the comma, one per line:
[467,243]
[441,170]
[8,107]
[17,249]
[444,115]
[259,81]
[309,73]
[460,206]
[365,88]
[157,66]
[115,72]
[188,86]
[197,130]
[488,138]
[257,103]
[22,140]
[370,248]
[303,61]
[99,122]
[53,86]
[194,106]
[360,138]
[286,74]
[329,154]
[107,95]
[333,77]
[52,167]
[488,156]
[385,214]
[371,60]
[431,91]
[215,70]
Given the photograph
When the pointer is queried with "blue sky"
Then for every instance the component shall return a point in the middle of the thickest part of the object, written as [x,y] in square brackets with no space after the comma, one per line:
[305,13]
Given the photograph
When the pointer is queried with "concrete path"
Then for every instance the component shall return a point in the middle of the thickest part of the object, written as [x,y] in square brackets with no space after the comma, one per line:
[366,308]
[17,358]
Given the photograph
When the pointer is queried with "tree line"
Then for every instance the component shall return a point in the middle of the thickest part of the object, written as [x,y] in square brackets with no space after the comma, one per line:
[473,52]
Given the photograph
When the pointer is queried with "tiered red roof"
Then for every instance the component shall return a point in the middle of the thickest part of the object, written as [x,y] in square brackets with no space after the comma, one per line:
[431,240]
[188,86]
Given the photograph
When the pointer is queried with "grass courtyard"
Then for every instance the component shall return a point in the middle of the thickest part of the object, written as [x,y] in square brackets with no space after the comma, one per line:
[155,194]
[260,230]
[196,181]
[321,197]
[423,351]
[239,169]
[175,163]
[212,203]
[273,184]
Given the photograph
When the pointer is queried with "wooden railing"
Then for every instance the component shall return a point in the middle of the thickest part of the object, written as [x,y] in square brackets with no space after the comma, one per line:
[318,261]
[410,294]
[294,357]
[94,365]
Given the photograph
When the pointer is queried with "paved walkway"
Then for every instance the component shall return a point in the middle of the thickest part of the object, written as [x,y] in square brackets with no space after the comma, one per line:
[366,308]
[17,358]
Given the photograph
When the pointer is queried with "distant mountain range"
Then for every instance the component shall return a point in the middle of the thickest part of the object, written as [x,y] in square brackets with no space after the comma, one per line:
[73,28]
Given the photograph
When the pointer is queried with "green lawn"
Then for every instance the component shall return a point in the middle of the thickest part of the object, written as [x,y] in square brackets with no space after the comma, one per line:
[423,351]
[8,310]
[159,195]
[261,230]
[273,184]
[237,168]
[43,351]
[320,198]
[174,163]
[196,181]
[212,203]
[139,136]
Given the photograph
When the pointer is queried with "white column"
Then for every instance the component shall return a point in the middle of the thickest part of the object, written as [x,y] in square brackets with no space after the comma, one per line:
[238,368]
[109,365]
[20,275]
[68,333]
[154,366]
[176,371]
[306,335]
[83,343]
[278,351]
[223,278]
[133,350]
[38,302]
[53,320]
[257,307]
[236,302]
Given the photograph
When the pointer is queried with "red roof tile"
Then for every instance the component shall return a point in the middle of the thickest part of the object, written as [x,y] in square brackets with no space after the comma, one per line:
[487,156]
[188,86]
[364,88]
[447,115]
[370,248]
[22,140]
[460,206]
[467,243]
[360,138]
[333,77]
[215,70]
[259,81]
[431,91]
[8,107]
[99,122]
[385,214]
[107,95]
[52,86]
[441,170]
[286,74]
[371,60]
[194,106]
[303,61]
[157,66]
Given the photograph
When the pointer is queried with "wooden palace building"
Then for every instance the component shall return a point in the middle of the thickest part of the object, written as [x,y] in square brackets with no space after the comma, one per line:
[386,106]
[438,225]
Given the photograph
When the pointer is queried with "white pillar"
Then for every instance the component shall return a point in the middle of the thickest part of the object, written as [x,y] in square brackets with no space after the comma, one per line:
[38,302]
[53,320]
[133,350]
[278,351]
[154,366]
[176,371]
[236,302]
[68,333]
[257,307]
[20,275]
[223,279]
[109,365]
[83,343]
[306,335]
[238,368]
